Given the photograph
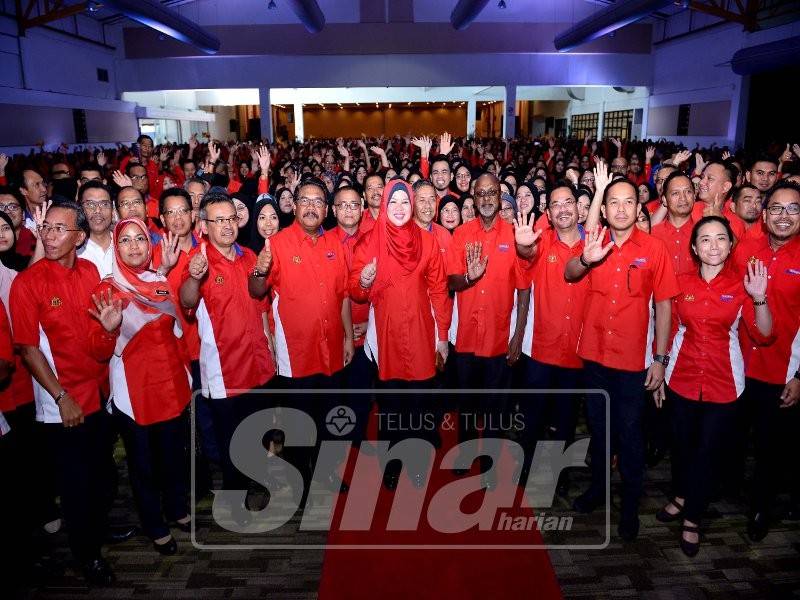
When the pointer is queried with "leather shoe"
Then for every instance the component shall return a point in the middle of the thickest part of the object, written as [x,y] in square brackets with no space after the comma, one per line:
[586,503]
[98,572]
[628,528]
[758,526]
[690,549]
[664,516]
[117,535]
[166,549]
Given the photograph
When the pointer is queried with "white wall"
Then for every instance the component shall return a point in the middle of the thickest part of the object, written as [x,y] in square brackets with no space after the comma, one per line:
[603,99]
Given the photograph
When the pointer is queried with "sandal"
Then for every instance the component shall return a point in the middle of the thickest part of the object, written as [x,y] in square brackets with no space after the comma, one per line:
[665,516]
[690,549]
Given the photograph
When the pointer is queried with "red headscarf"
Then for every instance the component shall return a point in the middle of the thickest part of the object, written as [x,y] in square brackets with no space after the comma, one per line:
[398,249]
[138,283]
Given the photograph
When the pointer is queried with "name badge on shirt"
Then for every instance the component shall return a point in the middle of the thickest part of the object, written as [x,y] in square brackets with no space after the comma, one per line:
[726,297]
[640,262]
[503,247]
[297,260]
[793,271]
[688,298]
[55,301]
[330,255]
[219,280]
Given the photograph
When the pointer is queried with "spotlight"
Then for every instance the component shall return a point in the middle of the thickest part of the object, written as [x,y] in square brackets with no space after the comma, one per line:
[93,7]
[502,4]
[271,5]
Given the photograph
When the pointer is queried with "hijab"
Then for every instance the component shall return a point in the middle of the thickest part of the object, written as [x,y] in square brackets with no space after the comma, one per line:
[10,258]
[284,219]
[256,241]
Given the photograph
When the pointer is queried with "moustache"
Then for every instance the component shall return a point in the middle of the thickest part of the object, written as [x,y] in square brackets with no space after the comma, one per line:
[311,213]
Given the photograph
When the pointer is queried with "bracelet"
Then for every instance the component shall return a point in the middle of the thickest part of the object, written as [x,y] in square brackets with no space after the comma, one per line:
[466,277]
[760,302]
[584,263]
[60,396]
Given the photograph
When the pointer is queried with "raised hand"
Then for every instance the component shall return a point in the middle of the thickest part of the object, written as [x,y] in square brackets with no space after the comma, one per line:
[169,251]
[39,213]
[524,234]
[342,149]
[264,158]
[699,163]
[649,153]
[368,274]
[101,158]
[163,154]
[198,266]
[476,266]
[445,143]
[213,152]
[714,208]
[681,157]
[292,180]
[192,143]
[602,177]
[593,249]
[786,156]
[107,311]
[796,150]
[121,179]
[616,142]
[378,150]
[725,155]
[264,260]
[755,281]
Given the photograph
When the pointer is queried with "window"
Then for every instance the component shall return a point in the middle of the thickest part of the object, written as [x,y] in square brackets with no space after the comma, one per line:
[617,124]
[583,125]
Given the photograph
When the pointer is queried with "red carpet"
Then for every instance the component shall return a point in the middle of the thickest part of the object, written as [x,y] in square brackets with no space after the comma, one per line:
[475,572]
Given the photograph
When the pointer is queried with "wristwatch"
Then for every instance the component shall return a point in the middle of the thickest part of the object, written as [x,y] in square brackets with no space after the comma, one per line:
[256,273]
[584,263]
[662,358]
[60,397]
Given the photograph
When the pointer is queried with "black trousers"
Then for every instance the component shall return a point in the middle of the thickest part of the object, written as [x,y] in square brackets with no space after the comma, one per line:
[158,466]
[360,374]
[702,433]
[83,461]
[15,510]
[478,372]
[626,392]
[776,440]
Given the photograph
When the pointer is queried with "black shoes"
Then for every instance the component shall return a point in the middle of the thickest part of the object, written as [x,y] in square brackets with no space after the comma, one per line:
[654,456]
[664,516]
[587,502]
[117,535]
[758,526]
[690,549]
[166,549]
[98,572]
[628,528]
[185,527]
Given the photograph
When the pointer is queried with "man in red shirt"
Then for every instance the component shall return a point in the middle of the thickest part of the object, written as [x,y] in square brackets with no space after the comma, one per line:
[772,373]
[49,309]
[484,270]
[234,352]
[150,167]
[763,173]
[373,192]
[425,202]
[746,217]
[676,230]
[626,274]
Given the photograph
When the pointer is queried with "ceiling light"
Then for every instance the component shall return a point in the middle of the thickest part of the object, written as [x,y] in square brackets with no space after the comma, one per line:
[390,105]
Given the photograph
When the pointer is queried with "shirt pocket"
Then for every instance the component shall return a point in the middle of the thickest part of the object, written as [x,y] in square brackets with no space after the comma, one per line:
[639,281]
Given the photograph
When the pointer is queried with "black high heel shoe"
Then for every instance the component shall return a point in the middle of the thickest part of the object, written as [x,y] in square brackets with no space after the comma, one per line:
[690,549]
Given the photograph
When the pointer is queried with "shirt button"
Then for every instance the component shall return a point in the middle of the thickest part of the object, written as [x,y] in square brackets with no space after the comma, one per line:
[609,333]
[567,316]
[618,269]
[483,291]
[613,302]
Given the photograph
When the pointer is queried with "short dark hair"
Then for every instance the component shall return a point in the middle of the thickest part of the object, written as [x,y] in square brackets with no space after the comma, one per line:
[762,157]
[370,176]
[90,166]
[314,182]
[214,197]
[344,188]
[169,193]
[562,183]
[10,190]
[745,186]
[441,158]
[132,165]
[705,220]
[421,183]
[81,222]
[623,180]
[731,172]
[93,185]
[781,185]
[672,176]
[144,137]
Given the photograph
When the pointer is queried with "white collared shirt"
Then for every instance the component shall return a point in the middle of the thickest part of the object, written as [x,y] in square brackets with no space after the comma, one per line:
[102,259]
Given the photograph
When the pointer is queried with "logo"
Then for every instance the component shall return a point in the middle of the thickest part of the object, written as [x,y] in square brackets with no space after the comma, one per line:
[297,260]
[219,280]
[752,260]
[640,262]
[688,298]
[551,258]
[162,292]
[55,302]
[793,271]
[503,247]
[340,420]
[726,297]
[330,255]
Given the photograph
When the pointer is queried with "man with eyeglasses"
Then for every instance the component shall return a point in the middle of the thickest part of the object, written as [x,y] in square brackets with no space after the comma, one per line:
[553,327]
[626,271]
[130,205]
[50,304]
[95,199]
[373,193]
[305,269]
[772,373]
[141,181]
[234,352]
[485,271]
[11,203]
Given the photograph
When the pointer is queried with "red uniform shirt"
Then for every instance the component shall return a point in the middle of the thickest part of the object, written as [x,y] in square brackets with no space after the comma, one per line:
[699,207]
[443,237]
[150,377]
[191,337]
[234,356]
[706,358]
[556,309]
[678,241]
[26,242]
[21,387]
[618,324]
[401,335]
[482,317]
[745,231]
[308,279]
[153,179]
[367,222]
[359,311]
[50,310]
[777,362]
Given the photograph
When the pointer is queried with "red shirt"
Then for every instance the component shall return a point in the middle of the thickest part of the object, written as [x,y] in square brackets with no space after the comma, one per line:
[26,242]
[777,362]
[443,237]
[618,323]
[234,356]
[699,207]
[367,222]
[150,377]
[50,310]
[359,311]
[7,354]
[482,318]
[543,222]
[21,388]
[308,279]
[706,358]
[556,309]
[678,241]
[191,337]
[153,179]
[401,335]
[746,231]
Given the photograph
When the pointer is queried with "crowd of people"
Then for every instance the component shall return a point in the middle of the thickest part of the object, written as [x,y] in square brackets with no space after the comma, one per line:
[130,277]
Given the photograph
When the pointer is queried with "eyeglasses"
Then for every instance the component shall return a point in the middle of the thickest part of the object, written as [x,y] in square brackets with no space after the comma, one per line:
[138,177]
[315,202]
[127,241]
[177,212]
[131,203]
[564,204]
[348,205]
[10,208]
[487,194]
[220,221]
[60,229]
[507,209]
[777,209]
[92,205]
